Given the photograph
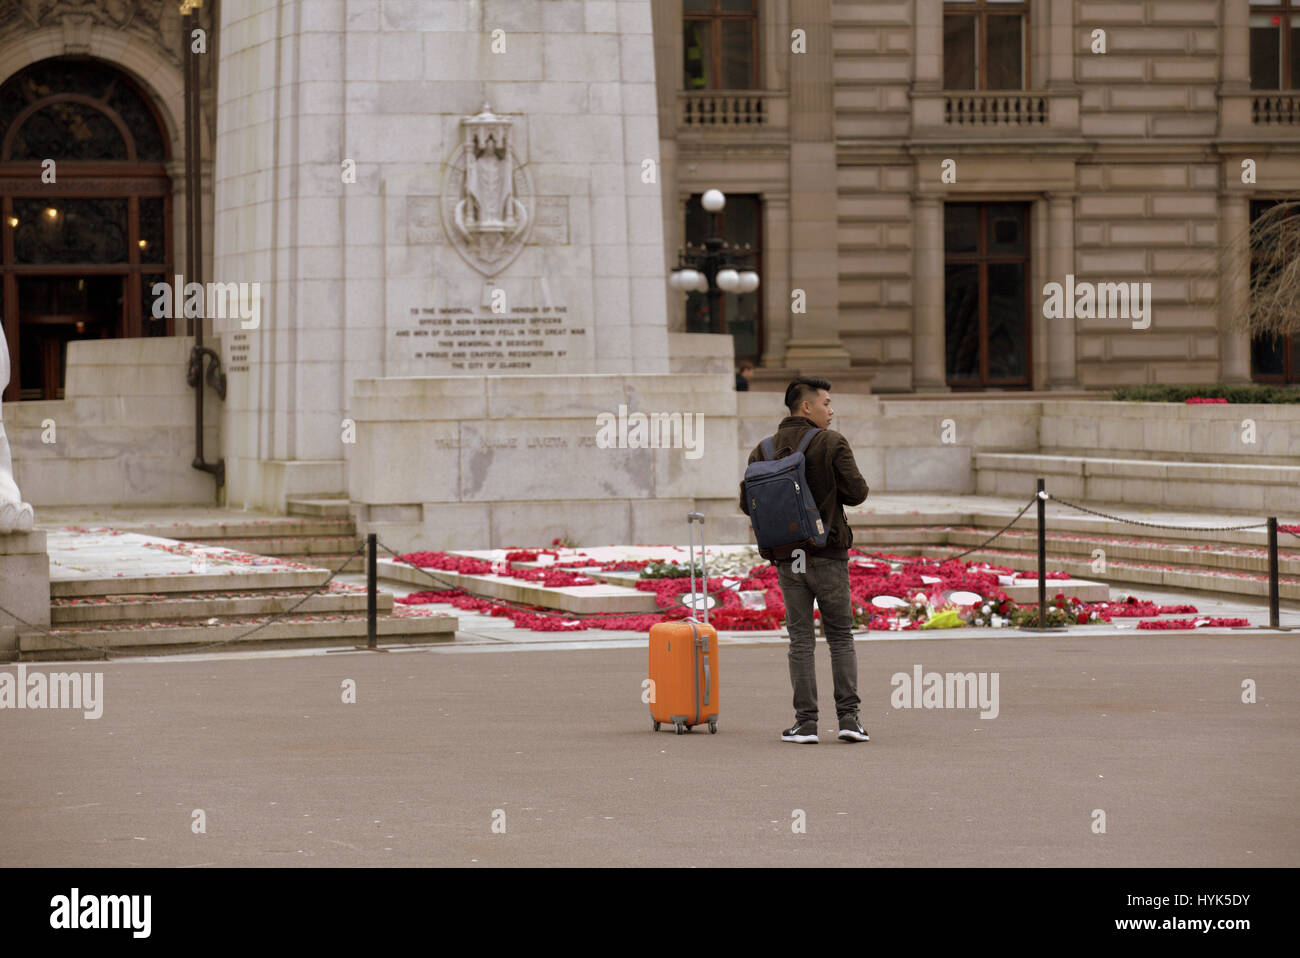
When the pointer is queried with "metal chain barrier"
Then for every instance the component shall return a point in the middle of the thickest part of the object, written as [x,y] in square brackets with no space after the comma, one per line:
[975,548]
[1154,525]
[212,645]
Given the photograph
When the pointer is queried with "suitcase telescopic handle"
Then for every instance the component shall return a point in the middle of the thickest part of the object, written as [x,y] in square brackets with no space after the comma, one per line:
[704,569]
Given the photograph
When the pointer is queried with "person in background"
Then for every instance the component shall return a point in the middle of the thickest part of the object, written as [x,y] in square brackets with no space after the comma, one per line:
[743,373]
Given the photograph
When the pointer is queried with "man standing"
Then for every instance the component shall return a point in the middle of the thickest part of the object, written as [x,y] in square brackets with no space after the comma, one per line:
[810,572]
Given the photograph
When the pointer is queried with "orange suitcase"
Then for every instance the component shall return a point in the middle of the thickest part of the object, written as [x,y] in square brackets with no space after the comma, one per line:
[684,660]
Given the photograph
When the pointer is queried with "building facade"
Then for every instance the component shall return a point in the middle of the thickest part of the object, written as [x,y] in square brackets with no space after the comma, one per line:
[925,168]
[909,175]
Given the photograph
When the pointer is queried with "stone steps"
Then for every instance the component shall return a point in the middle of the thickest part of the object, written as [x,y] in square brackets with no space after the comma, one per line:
[1164,575]
[1140,549]
[312,539]
[200,606]
[1172,553]
[298,548]
[319,506]
[131,590]
[333,562]
[1212,486]
[298,630]
[101,585]
[1143,550]
[1176,579]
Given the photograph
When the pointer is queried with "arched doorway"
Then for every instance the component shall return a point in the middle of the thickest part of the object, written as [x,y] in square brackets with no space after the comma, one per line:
[86,236]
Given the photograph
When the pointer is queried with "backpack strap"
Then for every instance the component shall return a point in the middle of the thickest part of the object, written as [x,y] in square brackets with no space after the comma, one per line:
[769,451]
[807,438]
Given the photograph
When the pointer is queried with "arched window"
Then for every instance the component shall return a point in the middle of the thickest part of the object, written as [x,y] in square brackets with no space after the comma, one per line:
[86,215]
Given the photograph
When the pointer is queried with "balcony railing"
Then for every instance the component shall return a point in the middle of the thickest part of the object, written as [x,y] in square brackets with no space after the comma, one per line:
[724,108]
[995,109]
[1275,109]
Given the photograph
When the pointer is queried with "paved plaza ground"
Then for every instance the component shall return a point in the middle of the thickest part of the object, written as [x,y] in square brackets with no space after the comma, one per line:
[1150,729]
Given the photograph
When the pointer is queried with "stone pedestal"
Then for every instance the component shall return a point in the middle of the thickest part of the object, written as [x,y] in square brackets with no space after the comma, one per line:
[436,189]
[24,585]
[493,461]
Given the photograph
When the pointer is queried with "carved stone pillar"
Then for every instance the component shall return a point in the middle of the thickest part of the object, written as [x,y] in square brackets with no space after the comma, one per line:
[776,279]
[928,363]
[1061,335]
[1234,288]
[814,254]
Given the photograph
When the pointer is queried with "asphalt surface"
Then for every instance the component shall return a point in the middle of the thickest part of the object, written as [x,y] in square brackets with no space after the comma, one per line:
[1151,730]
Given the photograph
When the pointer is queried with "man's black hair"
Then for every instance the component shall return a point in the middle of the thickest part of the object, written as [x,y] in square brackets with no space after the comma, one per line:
[805,387]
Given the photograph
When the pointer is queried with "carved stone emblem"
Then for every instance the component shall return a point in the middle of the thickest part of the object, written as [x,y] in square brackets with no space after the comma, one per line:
[487,198]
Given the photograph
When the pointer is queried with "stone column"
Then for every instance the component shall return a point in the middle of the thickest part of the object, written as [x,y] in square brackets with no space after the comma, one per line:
[667,22]
[1234,287]
[814,262]
[929,372]
[776,279]
[1062,340]
[1054,68]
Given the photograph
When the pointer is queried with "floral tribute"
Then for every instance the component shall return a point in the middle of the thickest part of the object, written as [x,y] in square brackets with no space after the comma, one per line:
[922,590]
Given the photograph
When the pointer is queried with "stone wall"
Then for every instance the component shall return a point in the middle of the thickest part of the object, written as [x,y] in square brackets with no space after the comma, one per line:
[124,434]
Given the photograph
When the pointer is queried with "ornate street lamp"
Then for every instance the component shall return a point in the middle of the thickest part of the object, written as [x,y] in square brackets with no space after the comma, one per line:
[716,267]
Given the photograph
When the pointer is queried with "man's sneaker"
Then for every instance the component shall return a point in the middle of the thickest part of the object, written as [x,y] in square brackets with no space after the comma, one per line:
[851,730]
[804,733]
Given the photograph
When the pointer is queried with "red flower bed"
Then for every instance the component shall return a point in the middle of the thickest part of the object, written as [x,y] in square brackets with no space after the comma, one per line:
[628,565]
[440,560]
[1135,608]
[434,595]
[528,555]
[551,578]
[1201,400]
[866,581]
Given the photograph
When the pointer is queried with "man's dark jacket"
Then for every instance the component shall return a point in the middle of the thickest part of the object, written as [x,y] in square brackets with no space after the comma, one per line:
[833,478]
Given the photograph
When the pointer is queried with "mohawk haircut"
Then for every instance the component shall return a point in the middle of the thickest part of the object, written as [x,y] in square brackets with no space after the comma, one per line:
[805,387]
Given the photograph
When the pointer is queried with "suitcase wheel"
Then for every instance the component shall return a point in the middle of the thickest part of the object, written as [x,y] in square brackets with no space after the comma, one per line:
[713,728]
[681,729]
[656,724]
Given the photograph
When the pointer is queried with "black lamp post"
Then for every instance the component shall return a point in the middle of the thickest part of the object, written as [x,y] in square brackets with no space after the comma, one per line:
[714,268]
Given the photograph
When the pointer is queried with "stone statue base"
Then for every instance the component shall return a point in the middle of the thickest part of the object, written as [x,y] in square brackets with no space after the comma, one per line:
[24,586]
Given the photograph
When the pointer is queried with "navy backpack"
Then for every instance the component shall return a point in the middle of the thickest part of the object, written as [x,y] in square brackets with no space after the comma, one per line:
[781,506]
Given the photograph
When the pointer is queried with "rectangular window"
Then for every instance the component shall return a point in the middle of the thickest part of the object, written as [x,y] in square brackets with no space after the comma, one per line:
[720,44]
[959,53]
[986,294]
[985,45]
[1274,44]
[1273,358]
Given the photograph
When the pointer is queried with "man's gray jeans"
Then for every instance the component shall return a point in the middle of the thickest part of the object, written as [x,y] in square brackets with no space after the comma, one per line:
[826,580]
